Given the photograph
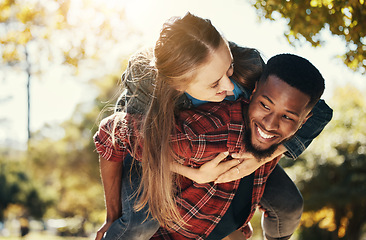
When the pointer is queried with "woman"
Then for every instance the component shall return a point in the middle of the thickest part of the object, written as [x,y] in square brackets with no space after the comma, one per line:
[182,59]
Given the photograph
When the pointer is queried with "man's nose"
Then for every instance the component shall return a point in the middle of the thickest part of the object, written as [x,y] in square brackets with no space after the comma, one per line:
[271,122]
[226,84]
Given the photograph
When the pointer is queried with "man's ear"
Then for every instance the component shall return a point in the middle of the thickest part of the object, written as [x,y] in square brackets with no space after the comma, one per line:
[306,118]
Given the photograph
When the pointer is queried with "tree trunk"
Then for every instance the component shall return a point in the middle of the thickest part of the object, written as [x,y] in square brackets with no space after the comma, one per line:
[28,92]
[355,222]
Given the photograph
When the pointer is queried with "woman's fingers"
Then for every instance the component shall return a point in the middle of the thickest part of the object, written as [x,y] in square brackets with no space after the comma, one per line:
[220,157]
[230,175]
[225,166]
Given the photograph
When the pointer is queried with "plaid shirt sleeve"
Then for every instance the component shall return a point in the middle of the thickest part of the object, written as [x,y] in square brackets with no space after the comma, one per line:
[114,148]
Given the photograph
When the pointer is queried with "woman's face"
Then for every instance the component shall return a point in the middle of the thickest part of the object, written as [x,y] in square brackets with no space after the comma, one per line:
[211,81]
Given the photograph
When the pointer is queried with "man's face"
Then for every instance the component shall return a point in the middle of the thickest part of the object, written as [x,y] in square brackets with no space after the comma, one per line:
[276,111]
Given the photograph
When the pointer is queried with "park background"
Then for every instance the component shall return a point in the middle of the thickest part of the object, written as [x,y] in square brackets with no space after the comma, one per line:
[61,62]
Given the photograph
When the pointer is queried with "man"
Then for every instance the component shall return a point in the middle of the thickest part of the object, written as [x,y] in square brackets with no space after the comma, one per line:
[282,101]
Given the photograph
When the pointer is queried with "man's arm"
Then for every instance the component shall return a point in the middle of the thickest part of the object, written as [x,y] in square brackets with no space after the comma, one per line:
[111,174]
[322,114]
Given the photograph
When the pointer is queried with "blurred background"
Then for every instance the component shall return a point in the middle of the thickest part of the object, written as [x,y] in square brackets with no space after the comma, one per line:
[61,61]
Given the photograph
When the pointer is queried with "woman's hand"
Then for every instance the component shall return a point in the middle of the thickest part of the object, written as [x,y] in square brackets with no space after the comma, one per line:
[248,164]
[103,229]
[209,171]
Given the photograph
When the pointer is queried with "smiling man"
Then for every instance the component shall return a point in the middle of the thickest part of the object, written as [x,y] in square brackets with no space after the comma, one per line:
[281,103]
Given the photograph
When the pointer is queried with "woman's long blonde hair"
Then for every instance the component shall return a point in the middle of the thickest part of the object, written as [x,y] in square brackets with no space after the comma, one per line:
[184,45]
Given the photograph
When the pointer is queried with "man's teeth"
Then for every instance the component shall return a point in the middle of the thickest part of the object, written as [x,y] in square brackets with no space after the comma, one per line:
[263,135]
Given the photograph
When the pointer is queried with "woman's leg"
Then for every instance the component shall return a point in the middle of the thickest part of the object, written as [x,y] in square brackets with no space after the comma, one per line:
[132,225]
[283,203]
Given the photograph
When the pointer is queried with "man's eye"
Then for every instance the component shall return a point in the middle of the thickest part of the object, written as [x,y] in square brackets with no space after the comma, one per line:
[287,117]
[264,106]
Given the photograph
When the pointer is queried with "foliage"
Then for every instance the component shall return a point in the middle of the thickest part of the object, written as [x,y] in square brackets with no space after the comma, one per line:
[69,37]
[58,31]
[333,184]
[68,168]
[17,187]
[306,19]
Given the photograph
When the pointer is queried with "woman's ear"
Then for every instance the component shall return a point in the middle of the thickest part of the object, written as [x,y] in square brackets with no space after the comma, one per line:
[255,89]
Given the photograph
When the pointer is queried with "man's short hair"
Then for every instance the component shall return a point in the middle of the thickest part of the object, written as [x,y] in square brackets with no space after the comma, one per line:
[298,72]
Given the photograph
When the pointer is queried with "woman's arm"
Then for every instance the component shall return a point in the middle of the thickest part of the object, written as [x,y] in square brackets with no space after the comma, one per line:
[208,172]
[248,165]
[111,174]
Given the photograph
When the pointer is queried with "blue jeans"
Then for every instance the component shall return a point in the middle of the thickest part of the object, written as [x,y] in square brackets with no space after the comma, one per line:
[281,199]
[132,225]
[284,205]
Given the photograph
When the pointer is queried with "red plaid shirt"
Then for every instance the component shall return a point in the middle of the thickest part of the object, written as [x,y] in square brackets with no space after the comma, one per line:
[202,133]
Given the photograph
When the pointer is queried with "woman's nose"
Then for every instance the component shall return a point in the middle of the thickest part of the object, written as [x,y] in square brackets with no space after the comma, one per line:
[226,84]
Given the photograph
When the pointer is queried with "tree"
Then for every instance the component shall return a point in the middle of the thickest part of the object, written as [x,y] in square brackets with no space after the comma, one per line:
[40,36]
[17,188]
[307,18]
[68,168]
[333,173]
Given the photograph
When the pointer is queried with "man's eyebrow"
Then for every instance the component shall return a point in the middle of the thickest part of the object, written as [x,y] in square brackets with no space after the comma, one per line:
[294,113]
[266,97]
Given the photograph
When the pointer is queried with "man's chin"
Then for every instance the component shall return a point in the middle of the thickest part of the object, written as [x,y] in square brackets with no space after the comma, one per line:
[257,151]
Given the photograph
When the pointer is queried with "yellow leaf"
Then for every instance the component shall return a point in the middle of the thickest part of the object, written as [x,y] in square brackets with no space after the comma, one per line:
[26,14]
[10,54]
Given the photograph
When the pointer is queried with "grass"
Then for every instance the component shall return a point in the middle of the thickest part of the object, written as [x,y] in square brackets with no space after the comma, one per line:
[42,236]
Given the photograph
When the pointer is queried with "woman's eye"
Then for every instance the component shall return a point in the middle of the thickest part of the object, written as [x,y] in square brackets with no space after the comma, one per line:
[215,85]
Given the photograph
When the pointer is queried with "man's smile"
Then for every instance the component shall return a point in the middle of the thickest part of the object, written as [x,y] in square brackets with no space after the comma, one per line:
[263,136]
